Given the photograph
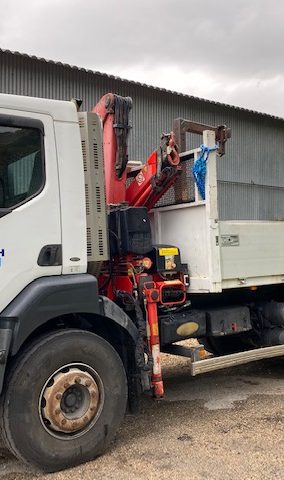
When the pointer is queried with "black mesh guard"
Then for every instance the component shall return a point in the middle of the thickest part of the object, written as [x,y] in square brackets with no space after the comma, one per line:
[183,190]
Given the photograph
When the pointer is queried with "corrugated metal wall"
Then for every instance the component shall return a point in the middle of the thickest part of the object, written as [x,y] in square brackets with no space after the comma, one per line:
[250,175]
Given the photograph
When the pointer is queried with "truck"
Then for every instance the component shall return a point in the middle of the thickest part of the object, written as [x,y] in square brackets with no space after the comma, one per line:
[105,263]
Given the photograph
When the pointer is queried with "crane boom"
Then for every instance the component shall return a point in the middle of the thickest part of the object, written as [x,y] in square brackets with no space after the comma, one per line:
[113,111]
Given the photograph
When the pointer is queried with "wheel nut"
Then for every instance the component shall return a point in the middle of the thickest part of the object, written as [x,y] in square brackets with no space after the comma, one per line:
[66,385]
[63,421]
[93,393]
[86,418]
[58,396]
[57,411]
[88,383]
[77,380]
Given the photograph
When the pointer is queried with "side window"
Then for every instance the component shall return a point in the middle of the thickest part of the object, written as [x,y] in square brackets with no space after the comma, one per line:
[22,173]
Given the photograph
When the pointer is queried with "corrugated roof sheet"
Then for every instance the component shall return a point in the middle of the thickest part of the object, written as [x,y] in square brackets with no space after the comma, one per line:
[114,77]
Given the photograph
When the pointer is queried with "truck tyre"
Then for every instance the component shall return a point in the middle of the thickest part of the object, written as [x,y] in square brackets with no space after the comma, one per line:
[64,399]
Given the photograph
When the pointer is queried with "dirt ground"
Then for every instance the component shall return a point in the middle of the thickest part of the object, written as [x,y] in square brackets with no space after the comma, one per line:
[225,425]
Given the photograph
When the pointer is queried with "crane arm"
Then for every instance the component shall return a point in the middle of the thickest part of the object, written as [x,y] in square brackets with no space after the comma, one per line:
[113,111]
[156,176]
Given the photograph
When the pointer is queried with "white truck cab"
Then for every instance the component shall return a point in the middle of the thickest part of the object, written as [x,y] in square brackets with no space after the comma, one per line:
[47,296]
[42,193]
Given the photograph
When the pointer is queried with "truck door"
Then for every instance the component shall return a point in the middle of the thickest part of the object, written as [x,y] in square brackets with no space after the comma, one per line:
[30,227]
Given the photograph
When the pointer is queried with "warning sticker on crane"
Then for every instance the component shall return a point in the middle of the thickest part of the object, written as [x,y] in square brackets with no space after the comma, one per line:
[140,178]
[163,252]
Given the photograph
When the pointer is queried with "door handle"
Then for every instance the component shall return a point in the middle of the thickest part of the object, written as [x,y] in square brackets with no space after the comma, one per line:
[50,256]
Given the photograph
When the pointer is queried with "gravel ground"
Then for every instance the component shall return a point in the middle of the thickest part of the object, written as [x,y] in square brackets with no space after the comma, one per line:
[225,425]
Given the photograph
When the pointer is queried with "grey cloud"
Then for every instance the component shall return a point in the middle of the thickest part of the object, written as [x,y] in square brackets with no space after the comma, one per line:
[236,36]
[231,41]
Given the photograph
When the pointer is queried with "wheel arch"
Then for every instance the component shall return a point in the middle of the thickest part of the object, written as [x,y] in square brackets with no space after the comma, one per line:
[105,327]
[70,301]
[50,300]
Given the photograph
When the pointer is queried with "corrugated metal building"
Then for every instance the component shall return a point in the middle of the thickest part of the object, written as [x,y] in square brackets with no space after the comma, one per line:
[251,185]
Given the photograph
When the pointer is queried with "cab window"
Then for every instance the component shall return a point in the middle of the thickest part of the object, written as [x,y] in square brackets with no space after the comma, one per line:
[21,164]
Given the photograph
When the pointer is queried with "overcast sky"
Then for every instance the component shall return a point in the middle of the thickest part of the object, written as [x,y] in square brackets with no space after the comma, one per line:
[225,50]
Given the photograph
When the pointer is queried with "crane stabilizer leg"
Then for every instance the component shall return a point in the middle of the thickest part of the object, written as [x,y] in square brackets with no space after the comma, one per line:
[154,294]
[152,298]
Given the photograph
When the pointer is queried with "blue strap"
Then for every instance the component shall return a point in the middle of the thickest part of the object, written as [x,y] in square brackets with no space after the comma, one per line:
[200,167]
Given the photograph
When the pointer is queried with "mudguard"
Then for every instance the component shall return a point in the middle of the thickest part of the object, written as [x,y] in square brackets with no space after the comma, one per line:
[50,297]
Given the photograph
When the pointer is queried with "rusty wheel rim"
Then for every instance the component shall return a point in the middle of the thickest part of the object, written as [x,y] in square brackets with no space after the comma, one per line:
[71,400]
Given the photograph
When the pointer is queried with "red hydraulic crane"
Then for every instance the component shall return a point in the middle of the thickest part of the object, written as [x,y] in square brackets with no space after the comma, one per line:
[131,278]
[156,176]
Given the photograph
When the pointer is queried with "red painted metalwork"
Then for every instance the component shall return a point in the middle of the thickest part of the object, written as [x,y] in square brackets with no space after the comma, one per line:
[115,175]
[139,190]
[156,177]
[174,285]
[115,188]
[151,300]
[122,278]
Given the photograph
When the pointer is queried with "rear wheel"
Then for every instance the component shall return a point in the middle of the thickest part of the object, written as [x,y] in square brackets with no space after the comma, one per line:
[64,400]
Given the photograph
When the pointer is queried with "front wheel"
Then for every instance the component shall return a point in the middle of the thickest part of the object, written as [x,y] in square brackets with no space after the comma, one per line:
[64,399]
